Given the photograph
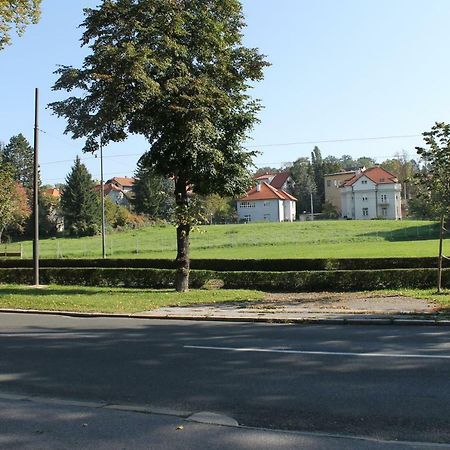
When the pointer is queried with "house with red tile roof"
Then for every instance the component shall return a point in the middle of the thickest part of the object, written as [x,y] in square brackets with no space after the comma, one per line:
[123,183]
[266,203]
[281,181]
[370,194]
[119,190]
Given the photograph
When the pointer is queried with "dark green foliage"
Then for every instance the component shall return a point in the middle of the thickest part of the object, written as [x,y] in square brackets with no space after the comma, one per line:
[339,280]
[79,203]
[270,265]
[318,173]
[20,156]
[305,185]
[153,194]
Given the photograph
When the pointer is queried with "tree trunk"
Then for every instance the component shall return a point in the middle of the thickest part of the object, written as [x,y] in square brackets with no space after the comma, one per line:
[183,229]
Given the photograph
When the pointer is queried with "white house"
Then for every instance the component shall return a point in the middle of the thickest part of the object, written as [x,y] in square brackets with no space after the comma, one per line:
[372,193]
[266,203]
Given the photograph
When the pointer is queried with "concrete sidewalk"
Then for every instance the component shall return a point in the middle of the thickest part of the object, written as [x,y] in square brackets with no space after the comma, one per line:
[39,423]
[322,308]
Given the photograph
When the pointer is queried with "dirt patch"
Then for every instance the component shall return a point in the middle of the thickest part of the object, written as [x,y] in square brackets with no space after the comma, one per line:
[354,302]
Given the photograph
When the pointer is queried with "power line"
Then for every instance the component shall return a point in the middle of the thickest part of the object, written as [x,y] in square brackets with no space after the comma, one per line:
[328,141]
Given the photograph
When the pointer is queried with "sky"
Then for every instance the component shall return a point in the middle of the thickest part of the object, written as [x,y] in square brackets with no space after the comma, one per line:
[356,77]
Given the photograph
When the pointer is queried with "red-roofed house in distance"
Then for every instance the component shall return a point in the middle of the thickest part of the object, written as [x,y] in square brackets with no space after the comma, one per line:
[370,194]
[119,190]
[266,203]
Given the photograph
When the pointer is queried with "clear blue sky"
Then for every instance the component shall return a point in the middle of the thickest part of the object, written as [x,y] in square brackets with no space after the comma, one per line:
[340,70]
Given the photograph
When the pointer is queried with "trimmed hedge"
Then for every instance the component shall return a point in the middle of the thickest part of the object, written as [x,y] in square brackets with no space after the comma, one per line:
[266,265]
[337,280]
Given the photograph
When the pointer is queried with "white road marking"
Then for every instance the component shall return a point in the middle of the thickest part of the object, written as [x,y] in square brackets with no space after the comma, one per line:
[306,352]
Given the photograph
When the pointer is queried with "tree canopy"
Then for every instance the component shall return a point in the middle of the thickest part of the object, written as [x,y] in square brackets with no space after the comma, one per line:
[17,14]
[14,207]
[176,72]
[434,179]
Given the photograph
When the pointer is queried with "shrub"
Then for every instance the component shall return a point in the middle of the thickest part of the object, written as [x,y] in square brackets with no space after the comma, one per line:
[337,280]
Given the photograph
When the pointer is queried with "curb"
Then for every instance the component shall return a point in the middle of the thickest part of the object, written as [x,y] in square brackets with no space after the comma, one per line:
[251,319]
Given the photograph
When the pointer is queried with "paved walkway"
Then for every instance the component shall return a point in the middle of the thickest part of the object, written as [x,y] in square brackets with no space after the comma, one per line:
[311,307]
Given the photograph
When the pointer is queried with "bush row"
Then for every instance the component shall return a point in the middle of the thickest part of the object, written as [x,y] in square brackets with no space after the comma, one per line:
[339,280]
[269,265]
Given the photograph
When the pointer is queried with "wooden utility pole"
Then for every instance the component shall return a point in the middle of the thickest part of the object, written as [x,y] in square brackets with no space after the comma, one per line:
[102,184]
[36,192]
[441,256]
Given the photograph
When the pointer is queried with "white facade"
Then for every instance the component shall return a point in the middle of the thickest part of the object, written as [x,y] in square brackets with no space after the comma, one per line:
[366,199]
[273,210]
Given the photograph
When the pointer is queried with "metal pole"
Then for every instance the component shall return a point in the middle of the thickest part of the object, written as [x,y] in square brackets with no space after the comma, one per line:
[441,238]
[103,202]
[36,193]
[312,207]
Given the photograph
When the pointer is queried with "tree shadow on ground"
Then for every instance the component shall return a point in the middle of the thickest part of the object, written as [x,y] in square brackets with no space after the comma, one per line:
[422,233]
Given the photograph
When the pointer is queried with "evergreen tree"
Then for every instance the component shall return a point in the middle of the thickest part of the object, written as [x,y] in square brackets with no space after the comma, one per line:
[317,168]
[153,194]
[305,185]
[176,72]
[19,154]
[79,203]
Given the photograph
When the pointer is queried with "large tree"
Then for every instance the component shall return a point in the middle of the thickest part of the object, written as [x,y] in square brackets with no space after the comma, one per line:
[17,14]
[176,72]
[79,203]
[19,154]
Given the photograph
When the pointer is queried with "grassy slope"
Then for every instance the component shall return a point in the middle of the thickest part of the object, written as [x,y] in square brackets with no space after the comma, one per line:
[261,240]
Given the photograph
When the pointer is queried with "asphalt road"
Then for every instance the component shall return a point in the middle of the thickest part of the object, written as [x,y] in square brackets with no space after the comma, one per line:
[384,382]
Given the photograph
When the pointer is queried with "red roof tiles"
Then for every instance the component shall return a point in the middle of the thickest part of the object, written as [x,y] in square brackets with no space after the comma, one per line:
[266,192]
[376,174]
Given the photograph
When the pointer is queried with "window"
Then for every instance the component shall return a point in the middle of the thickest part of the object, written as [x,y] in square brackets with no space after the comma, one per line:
[364,199]
[267,217]
[384,212]
[248,217]
[266,203]
[248,204]
[384,198]
[364,182]
[365,212]
[328,183]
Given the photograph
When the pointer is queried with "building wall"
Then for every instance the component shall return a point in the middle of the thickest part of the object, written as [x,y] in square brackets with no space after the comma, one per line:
[289,211]
[366,200]
[332,188]
[260,210]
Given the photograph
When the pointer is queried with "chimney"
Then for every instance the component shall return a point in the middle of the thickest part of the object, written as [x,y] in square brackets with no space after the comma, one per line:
[258,187]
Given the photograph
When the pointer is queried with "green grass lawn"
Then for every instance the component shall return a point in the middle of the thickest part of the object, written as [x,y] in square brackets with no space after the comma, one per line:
[112,300]
[321,239]
[121,300]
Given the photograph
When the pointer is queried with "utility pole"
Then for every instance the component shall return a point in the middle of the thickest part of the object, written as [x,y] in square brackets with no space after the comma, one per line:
[103,202]
[312,207]
[441,256]
[36,192]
